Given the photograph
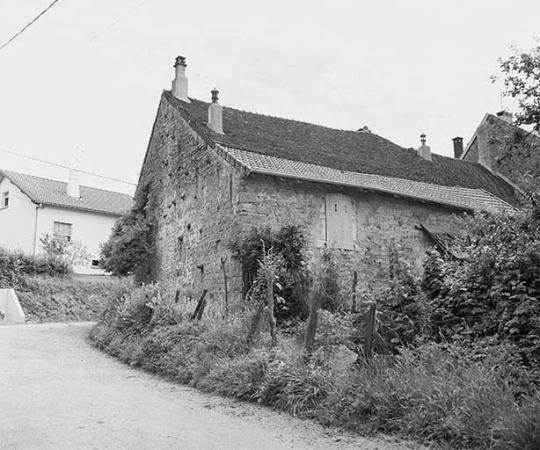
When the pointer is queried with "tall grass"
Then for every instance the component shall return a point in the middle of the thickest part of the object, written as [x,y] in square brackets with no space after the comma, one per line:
[434,393]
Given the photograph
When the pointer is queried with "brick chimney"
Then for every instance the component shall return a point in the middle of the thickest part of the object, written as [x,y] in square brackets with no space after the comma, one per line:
[180,82]
[424,150]
[458,147]
[506,116]
[215,114]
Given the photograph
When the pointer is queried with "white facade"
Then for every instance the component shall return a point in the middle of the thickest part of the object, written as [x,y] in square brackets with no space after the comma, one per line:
[23,223]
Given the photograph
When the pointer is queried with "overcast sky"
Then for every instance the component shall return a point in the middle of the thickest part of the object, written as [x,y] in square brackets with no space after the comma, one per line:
[89,73]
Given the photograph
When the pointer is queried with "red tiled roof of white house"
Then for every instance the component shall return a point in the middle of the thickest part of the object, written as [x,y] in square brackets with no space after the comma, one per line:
[54,193]
[353,154]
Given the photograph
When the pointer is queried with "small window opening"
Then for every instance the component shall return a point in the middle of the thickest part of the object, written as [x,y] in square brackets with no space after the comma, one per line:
[5,200]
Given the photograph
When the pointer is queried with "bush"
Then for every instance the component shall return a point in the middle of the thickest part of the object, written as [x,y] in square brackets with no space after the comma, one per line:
[131,243]
[288,245]
[14,265]
[403,315]
[53,299]
[495,291]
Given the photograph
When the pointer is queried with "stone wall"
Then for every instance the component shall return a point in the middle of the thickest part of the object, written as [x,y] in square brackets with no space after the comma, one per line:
[379,220]
[193,200]
[199,203]
[506,149]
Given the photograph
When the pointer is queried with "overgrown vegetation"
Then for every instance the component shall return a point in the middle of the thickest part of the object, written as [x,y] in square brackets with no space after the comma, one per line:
[67,299]
[48,291]
[455,354]
[15,265]
[452,357]
[287,246]
[131,243]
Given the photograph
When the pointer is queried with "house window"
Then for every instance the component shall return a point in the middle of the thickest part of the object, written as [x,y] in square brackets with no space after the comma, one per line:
[338,222]
[62,231]
[5,200]
[96,264]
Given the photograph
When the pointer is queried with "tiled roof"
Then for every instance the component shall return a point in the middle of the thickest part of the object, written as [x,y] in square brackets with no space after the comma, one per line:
[363,153]
[458,197]
[54,193]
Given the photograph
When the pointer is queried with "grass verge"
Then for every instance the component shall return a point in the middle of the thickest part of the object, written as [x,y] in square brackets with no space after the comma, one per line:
[436,393]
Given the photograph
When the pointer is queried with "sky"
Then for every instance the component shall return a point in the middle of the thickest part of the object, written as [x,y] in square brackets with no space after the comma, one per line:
[88,75]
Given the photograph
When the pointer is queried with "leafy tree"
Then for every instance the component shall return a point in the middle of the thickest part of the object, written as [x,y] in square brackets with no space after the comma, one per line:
[521,78]
[131,241]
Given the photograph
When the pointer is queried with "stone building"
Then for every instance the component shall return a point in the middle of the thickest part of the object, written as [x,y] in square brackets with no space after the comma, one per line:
[211,173]
[504,148]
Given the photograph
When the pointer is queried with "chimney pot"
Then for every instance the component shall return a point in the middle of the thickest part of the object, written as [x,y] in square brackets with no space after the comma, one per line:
[180,61]
[180,82]
[215,94]
[458,147]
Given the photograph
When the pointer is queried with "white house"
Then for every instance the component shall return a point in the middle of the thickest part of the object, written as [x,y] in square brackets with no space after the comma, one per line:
[32,206]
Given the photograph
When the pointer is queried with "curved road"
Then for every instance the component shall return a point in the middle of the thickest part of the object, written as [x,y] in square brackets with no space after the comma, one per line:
[57,392]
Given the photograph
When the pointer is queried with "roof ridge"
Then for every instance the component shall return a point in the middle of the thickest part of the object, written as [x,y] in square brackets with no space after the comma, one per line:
[303,122]
[62,182]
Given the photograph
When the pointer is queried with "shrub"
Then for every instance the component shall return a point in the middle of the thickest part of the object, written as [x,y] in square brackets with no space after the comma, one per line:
[73,253]
[14,265]
[53,299]
[131,243]
[495,291]
[403,315]
[288,245]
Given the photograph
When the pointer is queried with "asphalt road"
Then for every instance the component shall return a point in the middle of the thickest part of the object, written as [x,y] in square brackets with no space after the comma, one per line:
[57,392]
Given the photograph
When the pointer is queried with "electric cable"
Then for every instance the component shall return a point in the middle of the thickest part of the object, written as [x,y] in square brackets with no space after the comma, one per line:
[66,167]
[28,25]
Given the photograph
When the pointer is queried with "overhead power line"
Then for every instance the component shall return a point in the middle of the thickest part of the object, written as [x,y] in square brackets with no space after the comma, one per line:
[29,24]
[66,167]
[117,21]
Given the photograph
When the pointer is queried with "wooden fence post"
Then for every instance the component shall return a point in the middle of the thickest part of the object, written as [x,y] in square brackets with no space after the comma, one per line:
[199,310]
[270,301]
[312,321]
[223,260]
[354,283]
[370,329]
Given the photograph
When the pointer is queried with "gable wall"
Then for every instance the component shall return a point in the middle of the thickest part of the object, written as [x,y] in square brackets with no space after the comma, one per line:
[193,200]
[505,149]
